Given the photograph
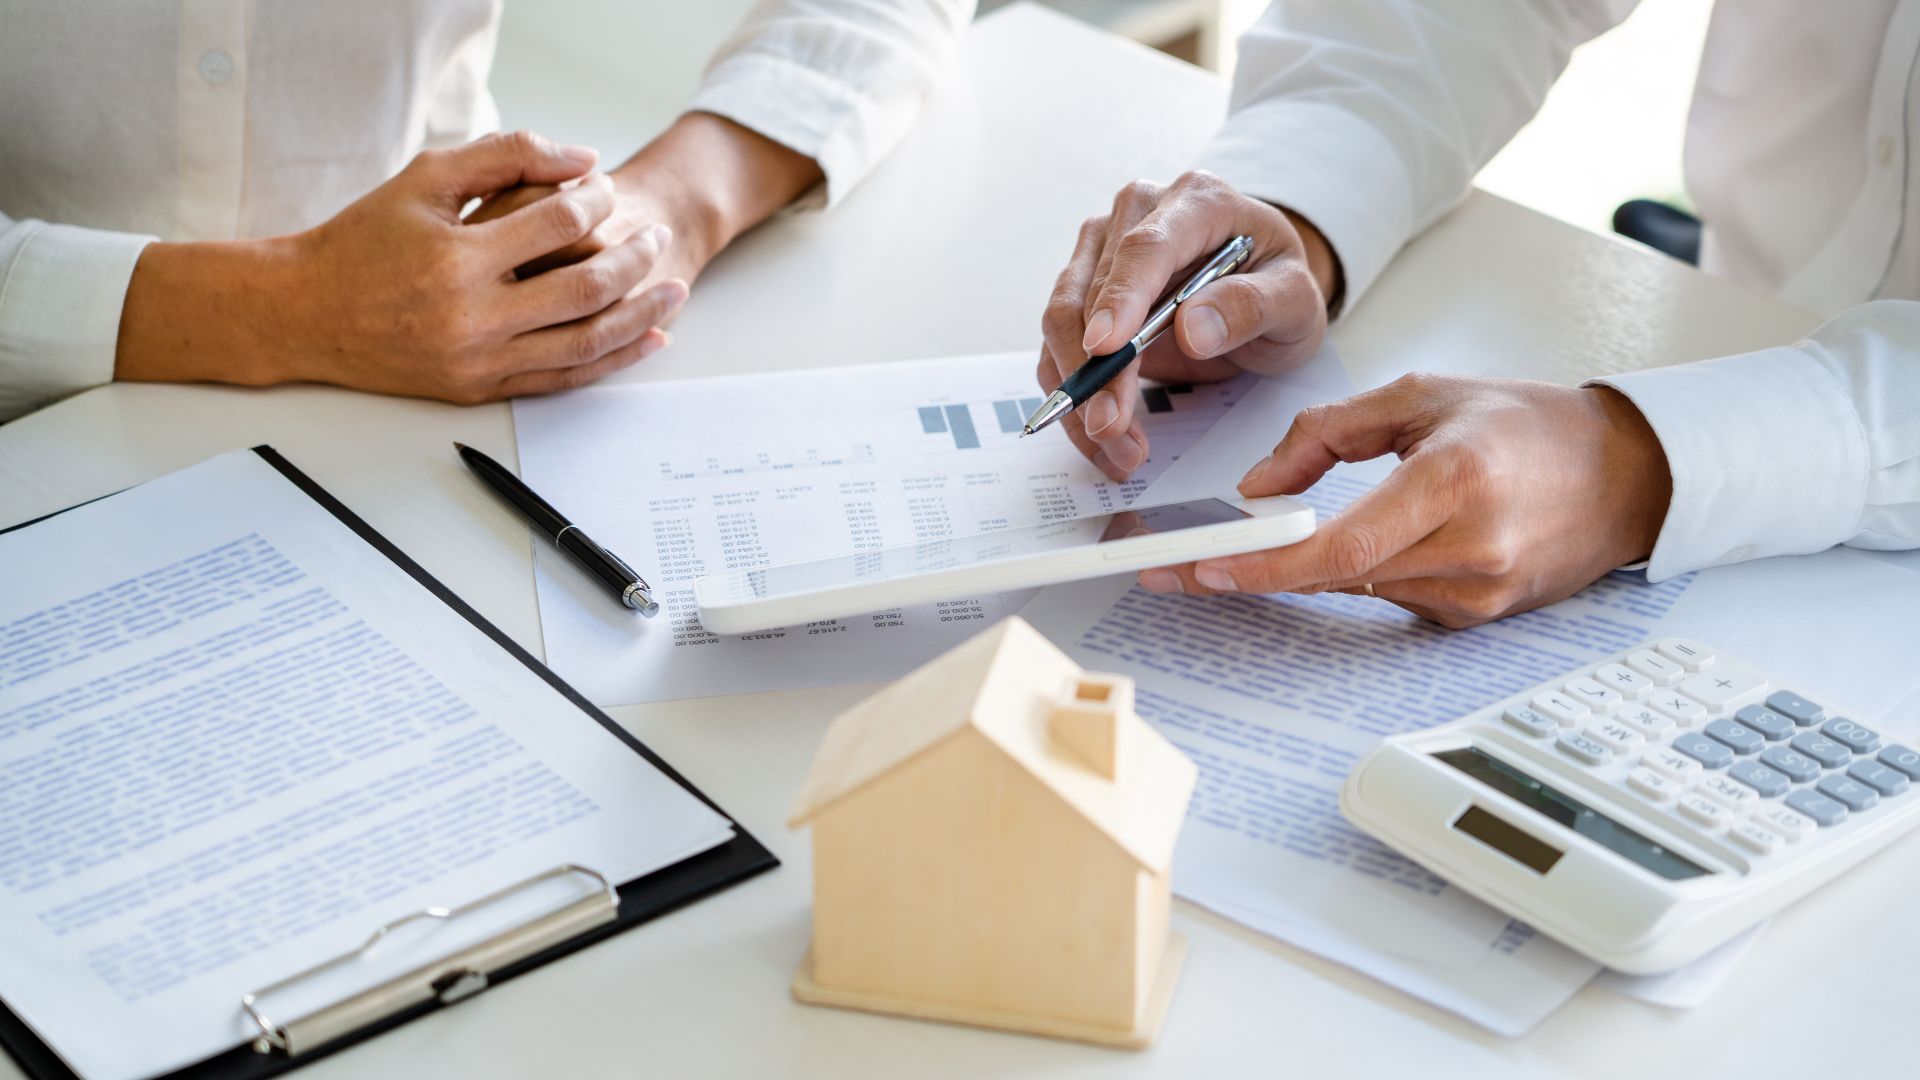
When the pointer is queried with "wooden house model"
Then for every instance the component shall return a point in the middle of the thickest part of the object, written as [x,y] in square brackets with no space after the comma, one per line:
[992,839]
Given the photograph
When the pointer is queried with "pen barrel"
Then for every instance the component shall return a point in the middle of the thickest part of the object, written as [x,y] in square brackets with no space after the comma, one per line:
[598,561]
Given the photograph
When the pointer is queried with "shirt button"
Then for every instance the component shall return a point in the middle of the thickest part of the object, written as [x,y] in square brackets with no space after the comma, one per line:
[1886,150]
[216,66]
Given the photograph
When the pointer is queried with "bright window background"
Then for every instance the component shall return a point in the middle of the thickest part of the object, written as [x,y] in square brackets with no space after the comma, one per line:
[611,72]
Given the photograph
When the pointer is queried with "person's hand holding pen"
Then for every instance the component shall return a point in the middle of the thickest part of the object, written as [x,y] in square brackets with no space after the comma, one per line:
[1268,317]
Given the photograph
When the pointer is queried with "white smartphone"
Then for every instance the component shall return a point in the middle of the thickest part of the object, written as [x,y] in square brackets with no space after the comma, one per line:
[743,601]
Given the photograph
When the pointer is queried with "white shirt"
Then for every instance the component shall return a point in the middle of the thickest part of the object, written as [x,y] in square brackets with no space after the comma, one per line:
[226,119]
[1370,120]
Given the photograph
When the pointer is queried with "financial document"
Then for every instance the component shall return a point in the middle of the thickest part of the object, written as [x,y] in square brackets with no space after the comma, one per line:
[235,738]
[1277,698]
[690,477]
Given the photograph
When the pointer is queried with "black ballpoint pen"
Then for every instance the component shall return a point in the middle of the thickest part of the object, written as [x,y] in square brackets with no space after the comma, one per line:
[627,587]
[1098,371]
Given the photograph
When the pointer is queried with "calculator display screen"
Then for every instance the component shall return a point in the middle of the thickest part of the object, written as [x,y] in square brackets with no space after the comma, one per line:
[1566,810]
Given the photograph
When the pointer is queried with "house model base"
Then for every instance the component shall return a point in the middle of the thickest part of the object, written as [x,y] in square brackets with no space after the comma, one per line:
[1135,1038]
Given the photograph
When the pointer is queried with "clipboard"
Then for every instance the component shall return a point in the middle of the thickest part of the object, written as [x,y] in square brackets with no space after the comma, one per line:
[610,909]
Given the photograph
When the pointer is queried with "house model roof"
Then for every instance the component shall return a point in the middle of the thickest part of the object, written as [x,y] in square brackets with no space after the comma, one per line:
[1003,684]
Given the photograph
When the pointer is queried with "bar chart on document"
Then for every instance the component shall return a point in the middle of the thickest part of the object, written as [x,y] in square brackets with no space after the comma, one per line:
[746,471]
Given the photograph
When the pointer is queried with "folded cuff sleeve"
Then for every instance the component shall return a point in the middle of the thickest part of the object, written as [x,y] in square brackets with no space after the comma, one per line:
[61,290]
[1328,165]
[1767,453]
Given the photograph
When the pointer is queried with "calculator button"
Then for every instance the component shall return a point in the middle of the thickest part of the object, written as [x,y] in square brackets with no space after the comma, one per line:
[1688,654]
[1684,710]
[1710,754]
[1797,766]
[1658,669]
[1739,738]
[1788,823]
[1907,761]
[1762,841]
[1796,708]
[1628,684]
[1723,686]
[1654,785]
[1738,797]
[1878,777]
[1644,720]
[1674,765]
[1855,794]
[1622,738]
[1584,748]
[1821,749]
[1768,782]
[1771,725]
[1593,695]
[1856,737]
[1704,811]
[1823,811]
[1563,709]
[1529,721]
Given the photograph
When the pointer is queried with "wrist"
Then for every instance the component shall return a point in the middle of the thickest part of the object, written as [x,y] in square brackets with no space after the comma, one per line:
[710,179]
[1636,478]
[210,312]
[1322,262]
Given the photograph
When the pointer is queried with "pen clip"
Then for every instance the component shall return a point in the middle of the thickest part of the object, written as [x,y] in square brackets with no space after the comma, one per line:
[1236,251]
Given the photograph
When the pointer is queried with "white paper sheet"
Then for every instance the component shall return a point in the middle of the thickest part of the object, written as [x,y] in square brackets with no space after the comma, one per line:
[684,478]
[234,739]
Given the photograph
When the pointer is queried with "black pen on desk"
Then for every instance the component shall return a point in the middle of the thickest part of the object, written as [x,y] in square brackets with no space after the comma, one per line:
[1089,378]
[627,587]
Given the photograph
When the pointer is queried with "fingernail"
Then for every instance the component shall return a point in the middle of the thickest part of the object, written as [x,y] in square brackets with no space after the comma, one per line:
[1101,413]
[653,343]
[1139,530]
[1259,467]
[1160,581]
[670,294]
[659,236]
[1128,455]
[1214,578]
[1098,328]
[1206,330]
[584,155]
[1103,462]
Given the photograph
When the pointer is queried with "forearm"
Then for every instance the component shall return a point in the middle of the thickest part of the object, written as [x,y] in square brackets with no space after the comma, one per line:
[209,312]
[714,179]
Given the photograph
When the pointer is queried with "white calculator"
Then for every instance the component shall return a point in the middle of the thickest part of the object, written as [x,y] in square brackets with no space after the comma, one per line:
[1645,809]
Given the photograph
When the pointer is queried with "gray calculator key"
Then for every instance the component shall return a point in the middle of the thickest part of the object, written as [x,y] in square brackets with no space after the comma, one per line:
[1821,749]
[1798,767]
[1796,708]
[1907,761]
[1821,810]
[1878,777]
[1592,751]
[1760,778]
[1714,755]
[1739,738]
[1772,725]
[1858,738]
[1855,794]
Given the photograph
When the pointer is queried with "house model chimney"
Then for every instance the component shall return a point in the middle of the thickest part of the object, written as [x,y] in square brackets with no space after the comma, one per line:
[1087,718]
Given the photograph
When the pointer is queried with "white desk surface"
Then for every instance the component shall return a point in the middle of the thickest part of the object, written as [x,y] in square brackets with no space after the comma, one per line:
[951,248]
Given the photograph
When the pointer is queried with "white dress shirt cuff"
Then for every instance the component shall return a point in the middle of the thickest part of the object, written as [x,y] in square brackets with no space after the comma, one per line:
[1766,451]
[1327,165]
[845,131]
[61,291]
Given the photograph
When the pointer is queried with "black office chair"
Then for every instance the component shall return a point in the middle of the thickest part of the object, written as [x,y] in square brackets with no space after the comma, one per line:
[1660,227]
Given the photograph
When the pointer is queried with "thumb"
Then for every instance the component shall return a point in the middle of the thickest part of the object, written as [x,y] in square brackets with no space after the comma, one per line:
[1278,302]
[1358,428]
[501,161]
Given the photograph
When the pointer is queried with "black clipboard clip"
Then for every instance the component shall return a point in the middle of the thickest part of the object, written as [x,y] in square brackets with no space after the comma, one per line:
[456,976]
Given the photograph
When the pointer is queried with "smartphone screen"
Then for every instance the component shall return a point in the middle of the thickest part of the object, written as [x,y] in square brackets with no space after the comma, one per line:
[882,564]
